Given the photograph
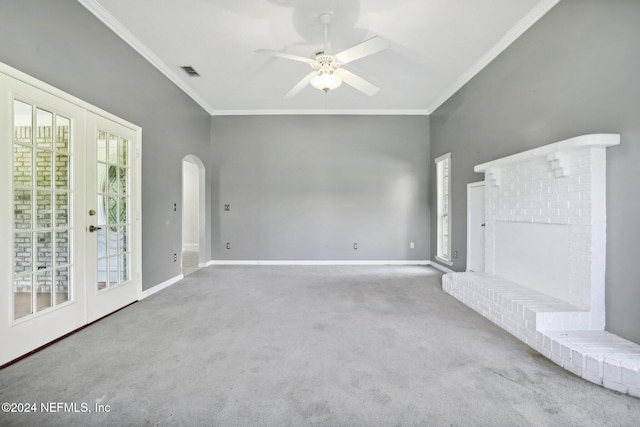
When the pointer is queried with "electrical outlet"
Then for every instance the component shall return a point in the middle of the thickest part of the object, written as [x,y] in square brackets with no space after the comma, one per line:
[227,207]
[455,254]
[411,245]
[228,245]
[355,246]
[175,207]
[175,257]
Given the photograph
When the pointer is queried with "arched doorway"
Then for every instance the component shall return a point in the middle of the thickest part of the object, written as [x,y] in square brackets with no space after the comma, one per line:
[193,214]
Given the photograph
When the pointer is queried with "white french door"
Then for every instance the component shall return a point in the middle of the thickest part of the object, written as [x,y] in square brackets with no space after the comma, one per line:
[56,169]
[111,216]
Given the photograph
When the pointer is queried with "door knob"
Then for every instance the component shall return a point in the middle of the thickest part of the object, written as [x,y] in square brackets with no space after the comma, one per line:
[93,228]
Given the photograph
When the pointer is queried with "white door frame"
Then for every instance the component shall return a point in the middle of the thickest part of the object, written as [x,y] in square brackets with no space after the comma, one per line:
[51,324]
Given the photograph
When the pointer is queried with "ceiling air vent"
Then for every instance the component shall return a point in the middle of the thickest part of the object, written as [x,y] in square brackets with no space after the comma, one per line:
[190,70]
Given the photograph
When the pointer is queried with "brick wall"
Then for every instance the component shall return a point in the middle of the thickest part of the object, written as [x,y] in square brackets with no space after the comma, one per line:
[562,184]
[52,206]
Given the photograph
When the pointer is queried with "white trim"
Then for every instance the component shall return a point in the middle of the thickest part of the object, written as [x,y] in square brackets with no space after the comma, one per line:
[110,21]
[443,260]
[440,198]
[148,292]
[512,35]
[39,84]
[591,140]
[116,26]
[440,267]
[160,286]
[516,31]
[443,157]
[315,262]
[382,112]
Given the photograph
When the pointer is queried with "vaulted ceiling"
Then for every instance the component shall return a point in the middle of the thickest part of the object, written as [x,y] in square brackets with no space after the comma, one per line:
[434,47]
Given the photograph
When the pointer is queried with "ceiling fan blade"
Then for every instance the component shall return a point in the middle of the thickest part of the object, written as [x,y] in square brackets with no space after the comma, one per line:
[357,82]
[285,55]
[300,85]
[368,47]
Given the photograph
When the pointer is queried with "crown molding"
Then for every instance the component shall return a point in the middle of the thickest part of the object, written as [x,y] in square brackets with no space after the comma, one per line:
[516,31]
[354,112]
[110,21]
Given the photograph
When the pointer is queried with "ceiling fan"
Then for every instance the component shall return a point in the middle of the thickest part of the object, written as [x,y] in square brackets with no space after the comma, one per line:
[327,72]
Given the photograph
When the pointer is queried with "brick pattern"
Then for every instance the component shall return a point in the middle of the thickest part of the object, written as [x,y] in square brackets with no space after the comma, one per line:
[45,154]
[533,192]
[557,188]
[517,309]
[551,327]
[598,356]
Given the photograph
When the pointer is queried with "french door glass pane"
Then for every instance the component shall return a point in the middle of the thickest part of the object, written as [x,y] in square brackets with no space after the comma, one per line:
[44,209]
[22,299]
[63,248]
[63,126]
[112,202]
[42,195]
[44,288]
[62,171]
[63,285]
[22,253]
[124,147]
[22,209]
[22,156]
[62,209]
[22,122]
[44,124]
[101,148]
[43,171]
[44,249]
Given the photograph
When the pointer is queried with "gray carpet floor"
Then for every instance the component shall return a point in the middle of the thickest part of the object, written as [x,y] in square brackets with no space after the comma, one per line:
[304,346]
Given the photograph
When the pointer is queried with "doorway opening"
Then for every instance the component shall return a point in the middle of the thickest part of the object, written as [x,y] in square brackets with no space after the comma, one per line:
[193,214]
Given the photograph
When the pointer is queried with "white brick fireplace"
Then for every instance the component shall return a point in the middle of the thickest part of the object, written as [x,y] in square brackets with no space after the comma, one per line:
[545,220]
[545,241]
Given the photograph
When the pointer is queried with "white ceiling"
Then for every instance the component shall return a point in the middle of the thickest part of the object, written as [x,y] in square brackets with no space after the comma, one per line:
[435,46]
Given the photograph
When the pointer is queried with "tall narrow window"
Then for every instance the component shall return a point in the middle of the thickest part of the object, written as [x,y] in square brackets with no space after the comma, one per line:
[443,182]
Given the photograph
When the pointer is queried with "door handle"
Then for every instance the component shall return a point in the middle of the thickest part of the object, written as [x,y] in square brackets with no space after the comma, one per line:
[93,228]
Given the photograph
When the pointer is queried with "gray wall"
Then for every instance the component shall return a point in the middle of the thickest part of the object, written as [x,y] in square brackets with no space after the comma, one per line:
[576,71]
[64,45]
[309,187]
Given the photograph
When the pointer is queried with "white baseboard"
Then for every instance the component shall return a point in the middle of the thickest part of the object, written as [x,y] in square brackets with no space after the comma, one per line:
[315,262]
[161,286]
[440,267]
[157,288]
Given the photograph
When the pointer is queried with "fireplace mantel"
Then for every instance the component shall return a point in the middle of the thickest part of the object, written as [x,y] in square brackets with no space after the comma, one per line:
[553,152]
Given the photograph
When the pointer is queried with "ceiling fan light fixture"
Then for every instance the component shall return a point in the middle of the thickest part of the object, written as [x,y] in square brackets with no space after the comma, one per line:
[326,81]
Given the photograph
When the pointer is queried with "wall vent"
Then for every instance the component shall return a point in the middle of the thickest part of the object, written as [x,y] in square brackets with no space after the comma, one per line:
[190,70]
